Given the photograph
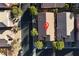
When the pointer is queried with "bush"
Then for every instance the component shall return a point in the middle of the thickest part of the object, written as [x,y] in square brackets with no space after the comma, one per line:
[38,44]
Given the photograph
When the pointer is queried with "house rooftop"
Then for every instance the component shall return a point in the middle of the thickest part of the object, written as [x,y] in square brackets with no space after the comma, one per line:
[6,5]
[52,5]
[4,27]
[3,43]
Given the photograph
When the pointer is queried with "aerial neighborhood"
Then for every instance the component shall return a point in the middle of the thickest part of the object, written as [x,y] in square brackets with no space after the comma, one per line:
[39,29]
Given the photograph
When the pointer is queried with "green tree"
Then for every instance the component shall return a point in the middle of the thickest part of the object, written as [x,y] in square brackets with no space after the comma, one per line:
[33,10]
[16,11]
[66,5]
[54,45]
[59,45]
[34,32]
[38,44]
[55,10]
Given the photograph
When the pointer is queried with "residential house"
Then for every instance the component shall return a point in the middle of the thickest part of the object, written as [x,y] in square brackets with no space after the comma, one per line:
[77,29]
[6,25]
[52,5]
[46,17]
[61,26]
[65,27]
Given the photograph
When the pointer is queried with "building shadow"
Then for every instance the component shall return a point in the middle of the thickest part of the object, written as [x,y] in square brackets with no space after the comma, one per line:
[26,26]
[45,52]
[65,52]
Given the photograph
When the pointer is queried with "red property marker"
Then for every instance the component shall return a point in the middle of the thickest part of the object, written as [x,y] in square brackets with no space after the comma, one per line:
[46,25]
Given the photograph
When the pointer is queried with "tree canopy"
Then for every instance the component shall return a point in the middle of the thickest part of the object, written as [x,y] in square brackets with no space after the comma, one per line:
[33,10]
[59,45]
[38,44]
[34,32]
[16,11]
